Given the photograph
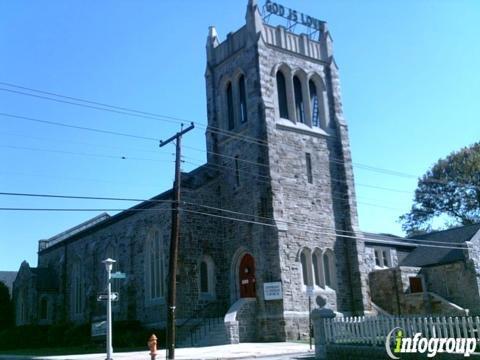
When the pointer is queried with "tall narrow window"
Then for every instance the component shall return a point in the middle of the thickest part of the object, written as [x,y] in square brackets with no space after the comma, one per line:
[315,269]
[207,277]
[314,103]
[299,108]
[306,261]
[237,171]
[230,113]
[329,269]
[243,99]
[318,268]
[326,262]
[155,266]
[303,260]
[204,277]
[77,286]
[308,159]
[44,309]
[282,95]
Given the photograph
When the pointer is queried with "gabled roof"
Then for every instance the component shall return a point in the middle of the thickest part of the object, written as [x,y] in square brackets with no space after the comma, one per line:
[194,179]
[430,256]
[8,277]
[375,239]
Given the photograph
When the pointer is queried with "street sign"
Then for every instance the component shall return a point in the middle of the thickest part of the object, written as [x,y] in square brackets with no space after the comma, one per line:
[310,290]
[118,275]
[104,297]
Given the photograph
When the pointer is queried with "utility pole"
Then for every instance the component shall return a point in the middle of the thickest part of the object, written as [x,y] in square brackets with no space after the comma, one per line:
[172,266]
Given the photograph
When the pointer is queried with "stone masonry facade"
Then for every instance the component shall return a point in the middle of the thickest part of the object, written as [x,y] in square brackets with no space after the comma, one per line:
[286,179]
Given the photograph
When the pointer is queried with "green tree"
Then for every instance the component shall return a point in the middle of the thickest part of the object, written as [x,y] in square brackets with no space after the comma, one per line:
[6,307]
[449,192]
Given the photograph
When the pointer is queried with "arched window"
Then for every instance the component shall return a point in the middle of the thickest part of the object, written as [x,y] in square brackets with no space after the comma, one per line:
[44,308]
[155,288]
[317,262]
[329,269]
[77,297]
[314,103]
[299,106]
[282,95]
[207,277]
[243,99]
[230,112]
[306,261]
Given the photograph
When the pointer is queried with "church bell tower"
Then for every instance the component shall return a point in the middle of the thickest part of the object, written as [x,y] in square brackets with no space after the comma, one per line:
[278,138]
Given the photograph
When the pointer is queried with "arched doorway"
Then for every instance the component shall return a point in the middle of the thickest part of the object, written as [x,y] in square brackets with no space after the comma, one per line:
[247,276]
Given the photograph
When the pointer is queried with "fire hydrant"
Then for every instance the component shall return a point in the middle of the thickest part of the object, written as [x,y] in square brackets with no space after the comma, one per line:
[152,345]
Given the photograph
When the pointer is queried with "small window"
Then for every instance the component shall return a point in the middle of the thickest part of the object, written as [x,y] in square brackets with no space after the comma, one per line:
[415,284]
[299,106]
[207,277]
[377,258]
[385,258]
[282,95]
[314,103]
[44,309]
[204,277]
[382,257]
[230,113]
[308,159]
[243,99]
[237,171]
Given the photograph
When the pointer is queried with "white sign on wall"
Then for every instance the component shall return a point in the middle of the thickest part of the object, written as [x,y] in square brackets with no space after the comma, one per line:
[273,290]
[99,328]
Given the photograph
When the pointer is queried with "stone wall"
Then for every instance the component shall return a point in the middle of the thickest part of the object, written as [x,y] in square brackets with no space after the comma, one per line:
[456,282]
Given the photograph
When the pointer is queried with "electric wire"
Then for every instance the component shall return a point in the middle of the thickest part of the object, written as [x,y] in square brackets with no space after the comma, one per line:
[162,201]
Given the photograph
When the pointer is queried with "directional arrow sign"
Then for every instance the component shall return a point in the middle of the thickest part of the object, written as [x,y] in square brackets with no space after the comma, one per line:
[104,297]
[118,275]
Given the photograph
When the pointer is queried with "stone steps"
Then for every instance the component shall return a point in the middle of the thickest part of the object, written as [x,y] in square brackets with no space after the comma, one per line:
[208,334]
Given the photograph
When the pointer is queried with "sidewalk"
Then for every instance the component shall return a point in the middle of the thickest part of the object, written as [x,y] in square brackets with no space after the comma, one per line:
[237,351]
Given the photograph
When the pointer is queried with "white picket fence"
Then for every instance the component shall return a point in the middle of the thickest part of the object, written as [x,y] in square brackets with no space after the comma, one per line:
[373,330]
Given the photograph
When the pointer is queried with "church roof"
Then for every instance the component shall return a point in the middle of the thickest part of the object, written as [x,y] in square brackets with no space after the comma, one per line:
[431,256]
[194,179]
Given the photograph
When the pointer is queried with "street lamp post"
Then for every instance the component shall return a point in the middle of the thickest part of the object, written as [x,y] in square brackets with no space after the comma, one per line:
[108,266]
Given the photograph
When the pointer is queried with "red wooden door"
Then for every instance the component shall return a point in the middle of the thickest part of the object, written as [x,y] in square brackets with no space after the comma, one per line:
[247,276]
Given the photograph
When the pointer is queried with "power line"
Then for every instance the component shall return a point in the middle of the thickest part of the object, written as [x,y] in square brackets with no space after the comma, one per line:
[184,203]
[149,115]
[55,123]
[116,157]
[120,110]
[415,242]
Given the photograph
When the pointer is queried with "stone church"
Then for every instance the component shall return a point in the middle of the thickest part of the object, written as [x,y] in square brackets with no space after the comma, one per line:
[261,214]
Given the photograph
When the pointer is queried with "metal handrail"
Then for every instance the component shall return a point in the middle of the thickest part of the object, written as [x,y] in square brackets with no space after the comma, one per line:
[200,316]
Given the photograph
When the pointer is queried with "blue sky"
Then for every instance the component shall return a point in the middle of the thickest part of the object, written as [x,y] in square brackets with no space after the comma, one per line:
[410,84]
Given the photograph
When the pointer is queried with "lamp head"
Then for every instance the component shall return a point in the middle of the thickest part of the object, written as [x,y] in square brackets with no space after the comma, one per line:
[109,264]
